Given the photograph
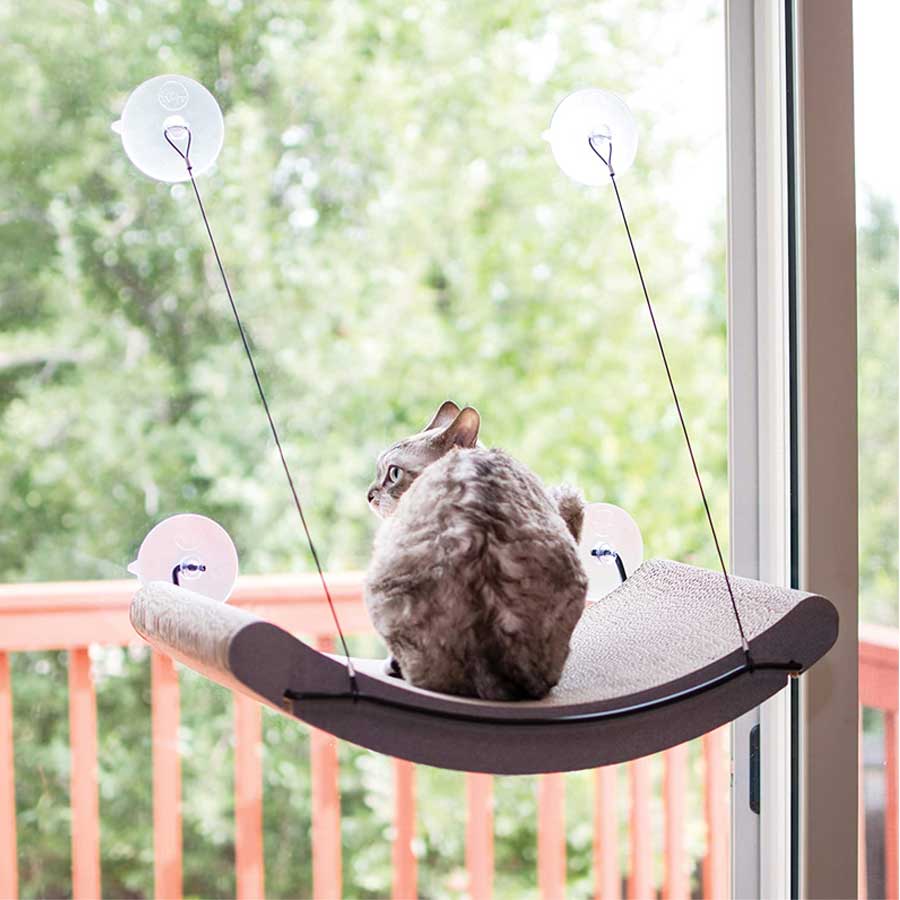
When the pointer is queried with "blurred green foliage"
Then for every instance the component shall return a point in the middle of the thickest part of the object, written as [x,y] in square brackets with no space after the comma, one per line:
[396,233]
[879,405]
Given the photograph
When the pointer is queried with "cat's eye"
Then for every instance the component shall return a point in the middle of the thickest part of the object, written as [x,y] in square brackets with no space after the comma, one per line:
[394,473]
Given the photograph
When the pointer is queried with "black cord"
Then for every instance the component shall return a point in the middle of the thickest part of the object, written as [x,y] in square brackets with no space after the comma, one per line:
[687,438]
[262,396]
[290,697]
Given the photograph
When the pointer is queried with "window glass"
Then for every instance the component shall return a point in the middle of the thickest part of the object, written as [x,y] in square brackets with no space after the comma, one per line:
[877,74]
[877,189]
[396,233]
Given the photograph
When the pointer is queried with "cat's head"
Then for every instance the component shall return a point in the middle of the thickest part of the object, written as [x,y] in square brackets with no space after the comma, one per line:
[402,463]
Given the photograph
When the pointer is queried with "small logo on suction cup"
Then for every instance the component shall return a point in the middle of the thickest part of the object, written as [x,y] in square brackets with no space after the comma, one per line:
[173,96]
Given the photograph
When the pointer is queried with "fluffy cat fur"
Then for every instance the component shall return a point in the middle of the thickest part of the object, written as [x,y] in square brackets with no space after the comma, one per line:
[475,583]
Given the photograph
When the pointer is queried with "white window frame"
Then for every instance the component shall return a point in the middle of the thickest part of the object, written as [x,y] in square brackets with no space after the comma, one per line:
[759,407]
[791,244]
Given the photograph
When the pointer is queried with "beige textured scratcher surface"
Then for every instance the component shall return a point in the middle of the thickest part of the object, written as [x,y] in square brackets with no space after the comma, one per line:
[193,625]
[667,622]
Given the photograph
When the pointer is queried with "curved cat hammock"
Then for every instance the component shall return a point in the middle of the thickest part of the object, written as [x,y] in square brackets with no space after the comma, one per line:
[671,653]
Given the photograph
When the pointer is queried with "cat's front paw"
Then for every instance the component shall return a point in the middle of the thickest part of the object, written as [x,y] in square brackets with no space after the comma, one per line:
[392,667]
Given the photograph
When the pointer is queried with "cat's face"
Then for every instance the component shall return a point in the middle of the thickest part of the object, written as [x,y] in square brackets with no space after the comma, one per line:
[402,463]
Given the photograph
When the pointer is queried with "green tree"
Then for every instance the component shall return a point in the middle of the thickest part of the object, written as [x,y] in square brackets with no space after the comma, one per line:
[879,402]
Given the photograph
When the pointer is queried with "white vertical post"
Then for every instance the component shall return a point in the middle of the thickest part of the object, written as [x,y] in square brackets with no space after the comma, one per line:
[759,406]
[743,393]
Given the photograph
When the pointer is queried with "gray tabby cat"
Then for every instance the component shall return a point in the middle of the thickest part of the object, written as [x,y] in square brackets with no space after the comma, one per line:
[475,583]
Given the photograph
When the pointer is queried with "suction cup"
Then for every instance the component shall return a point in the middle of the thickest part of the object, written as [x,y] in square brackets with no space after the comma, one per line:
[192,551]
[183,107]
[608,530]
[592,116]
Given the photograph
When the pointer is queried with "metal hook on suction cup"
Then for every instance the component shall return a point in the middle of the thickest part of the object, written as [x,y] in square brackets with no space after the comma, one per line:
[607,160]
[603,550]
[186,567]
[186,154]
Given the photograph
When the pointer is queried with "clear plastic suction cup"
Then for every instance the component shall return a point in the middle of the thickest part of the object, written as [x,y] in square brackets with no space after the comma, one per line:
[191,551]
[608,530]
[593,116]
[185,109]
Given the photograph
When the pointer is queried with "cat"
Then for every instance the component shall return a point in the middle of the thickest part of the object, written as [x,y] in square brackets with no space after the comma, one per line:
[475,582]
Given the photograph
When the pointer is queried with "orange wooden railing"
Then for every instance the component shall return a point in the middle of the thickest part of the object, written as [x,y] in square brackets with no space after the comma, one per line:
[74,616]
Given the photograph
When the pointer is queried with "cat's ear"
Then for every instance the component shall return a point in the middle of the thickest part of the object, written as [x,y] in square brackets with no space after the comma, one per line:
[446,413]
[463,430]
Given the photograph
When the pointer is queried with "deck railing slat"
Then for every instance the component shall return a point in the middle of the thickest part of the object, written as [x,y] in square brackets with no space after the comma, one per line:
[84,798]
[677,883]
[480,835]
[403,857]
[878,674]
[9,872]
[878,689]
[326,807]
[248,799]
[890,794]
[862,877]
[165,717]
[607,877]
[716,882]
[552,836]
[640,878]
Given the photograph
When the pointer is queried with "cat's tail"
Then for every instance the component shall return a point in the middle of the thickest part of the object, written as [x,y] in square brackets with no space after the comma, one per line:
[569,503]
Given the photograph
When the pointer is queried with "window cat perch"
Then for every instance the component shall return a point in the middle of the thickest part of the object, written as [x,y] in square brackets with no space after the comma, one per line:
[670,654]
[655,663]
